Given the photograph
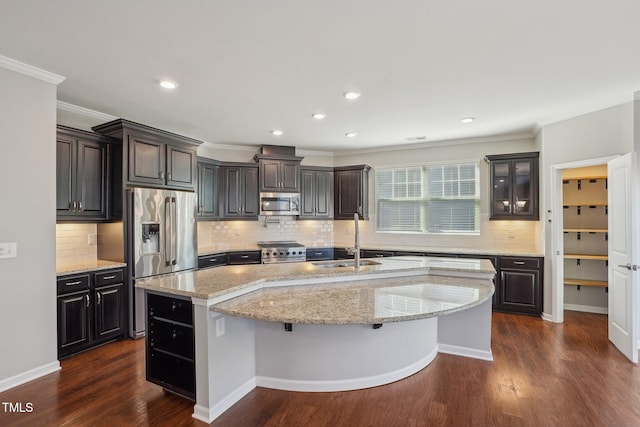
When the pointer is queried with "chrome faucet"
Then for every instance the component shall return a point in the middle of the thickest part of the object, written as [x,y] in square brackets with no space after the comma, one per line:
[355,251]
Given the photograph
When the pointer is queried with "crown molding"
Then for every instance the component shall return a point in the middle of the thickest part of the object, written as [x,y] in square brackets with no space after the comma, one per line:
[431,144]
[31,71]
[85,112]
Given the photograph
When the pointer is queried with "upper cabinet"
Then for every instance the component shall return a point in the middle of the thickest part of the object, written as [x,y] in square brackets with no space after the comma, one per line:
[82,175]
[239,191]
[153,157]
[316,195]
[351,191]
[279,173]
[208,184]
[514,186]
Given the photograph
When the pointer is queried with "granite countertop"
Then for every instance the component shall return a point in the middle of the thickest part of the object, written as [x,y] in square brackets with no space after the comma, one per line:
[361,302]
[216,249]
[233,280]
[87,267]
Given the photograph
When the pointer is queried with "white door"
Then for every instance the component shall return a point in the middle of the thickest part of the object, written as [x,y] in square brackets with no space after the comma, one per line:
[623,292]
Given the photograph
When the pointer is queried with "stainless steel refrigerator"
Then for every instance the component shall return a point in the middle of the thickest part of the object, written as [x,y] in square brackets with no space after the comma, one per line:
[161,239]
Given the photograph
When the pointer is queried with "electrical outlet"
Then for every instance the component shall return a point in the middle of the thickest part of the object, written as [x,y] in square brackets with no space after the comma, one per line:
[92,239]
[8,250]
[219,326]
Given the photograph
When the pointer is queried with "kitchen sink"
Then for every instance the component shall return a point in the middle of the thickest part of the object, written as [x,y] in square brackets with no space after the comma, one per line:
[345,263]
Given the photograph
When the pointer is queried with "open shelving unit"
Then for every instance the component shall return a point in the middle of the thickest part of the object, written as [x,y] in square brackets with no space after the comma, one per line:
[586,233]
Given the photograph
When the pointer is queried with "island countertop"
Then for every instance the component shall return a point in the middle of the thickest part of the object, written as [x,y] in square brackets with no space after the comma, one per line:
[238,279]
[372,301]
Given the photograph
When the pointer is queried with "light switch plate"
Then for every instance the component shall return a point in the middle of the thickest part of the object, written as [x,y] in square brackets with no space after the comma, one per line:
[8,250]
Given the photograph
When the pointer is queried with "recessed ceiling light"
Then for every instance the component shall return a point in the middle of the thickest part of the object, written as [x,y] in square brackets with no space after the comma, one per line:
[352,95]
[350,134]
[276,132]
[468,119]
[318,116]
[168,84]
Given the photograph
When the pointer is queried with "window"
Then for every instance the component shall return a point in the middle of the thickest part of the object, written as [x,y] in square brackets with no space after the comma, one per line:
[428,199]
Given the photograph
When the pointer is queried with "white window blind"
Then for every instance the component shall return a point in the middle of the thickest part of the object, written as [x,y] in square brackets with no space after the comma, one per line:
[430,198]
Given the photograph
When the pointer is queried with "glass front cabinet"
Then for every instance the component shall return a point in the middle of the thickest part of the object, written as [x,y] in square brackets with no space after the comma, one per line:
[514,186]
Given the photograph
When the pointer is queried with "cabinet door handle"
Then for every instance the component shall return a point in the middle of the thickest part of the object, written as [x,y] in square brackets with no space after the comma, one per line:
[108,277]
[99,297]
[169,176]
[627,266]
[518,262]
[87,299]
[379,256]
[317,253]
[161,175]
[244,256]
[73,283]
[80,208]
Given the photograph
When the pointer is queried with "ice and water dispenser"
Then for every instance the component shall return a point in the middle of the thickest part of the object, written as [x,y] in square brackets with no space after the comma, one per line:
[150,238]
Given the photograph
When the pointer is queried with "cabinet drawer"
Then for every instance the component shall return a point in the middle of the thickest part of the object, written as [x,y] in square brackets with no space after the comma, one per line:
[317,254]
[172,337]
[376,254]
[249,257]
[520,263]
[109,278]
[212,260]
[175,309]
[73,284]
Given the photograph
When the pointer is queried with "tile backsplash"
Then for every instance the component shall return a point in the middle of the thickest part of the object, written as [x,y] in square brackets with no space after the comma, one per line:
[73,243]
[237,235]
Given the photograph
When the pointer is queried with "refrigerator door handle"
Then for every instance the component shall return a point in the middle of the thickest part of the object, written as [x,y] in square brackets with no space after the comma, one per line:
[168,232]
[174,231]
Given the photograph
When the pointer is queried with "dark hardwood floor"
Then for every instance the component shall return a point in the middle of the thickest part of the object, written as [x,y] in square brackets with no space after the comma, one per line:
[543,374]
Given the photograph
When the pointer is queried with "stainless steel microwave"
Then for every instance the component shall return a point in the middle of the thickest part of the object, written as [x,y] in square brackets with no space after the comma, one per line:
[279,204]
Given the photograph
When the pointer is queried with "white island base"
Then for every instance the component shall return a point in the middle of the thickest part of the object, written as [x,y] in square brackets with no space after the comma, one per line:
[321,357]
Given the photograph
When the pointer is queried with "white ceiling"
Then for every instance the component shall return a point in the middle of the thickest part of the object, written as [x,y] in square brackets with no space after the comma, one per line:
[244,67]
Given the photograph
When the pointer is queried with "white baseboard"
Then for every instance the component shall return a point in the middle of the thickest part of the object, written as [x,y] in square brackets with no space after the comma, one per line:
[547,317]
[30,375]
[345,385]
[207,415]
[465,351]
[586,308]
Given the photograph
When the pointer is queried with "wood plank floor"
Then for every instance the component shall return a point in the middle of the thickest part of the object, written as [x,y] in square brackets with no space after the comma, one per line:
[544,374]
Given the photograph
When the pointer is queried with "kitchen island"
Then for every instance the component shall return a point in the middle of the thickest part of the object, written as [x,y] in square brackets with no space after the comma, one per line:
[327,326]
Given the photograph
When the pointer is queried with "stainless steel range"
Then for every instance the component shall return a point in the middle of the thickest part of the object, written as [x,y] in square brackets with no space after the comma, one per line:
[282,251]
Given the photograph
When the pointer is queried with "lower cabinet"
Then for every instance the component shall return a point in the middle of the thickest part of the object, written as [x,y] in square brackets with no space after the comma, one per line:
[215,260]
[244,257]
[520,286]
[170,344]
[319,254]
[90,310]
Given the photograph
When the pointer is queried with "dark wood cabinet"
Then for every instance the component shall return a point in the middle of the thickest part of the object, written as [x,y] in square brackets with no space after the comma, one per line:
[153,157]
[514,186]
[520,287]
[319,254]
[215,260]
[170,344]
[82,175]
[279,173]
[369,253]
[239,195]
[244,257]
[208,184]
[316,193]
[351,192]
[90,310]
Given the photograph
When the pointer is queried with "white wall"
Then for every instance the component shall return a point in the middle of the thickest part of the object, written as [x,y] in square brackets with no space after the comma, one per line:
[591,136]
[27,217]
[495,236]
